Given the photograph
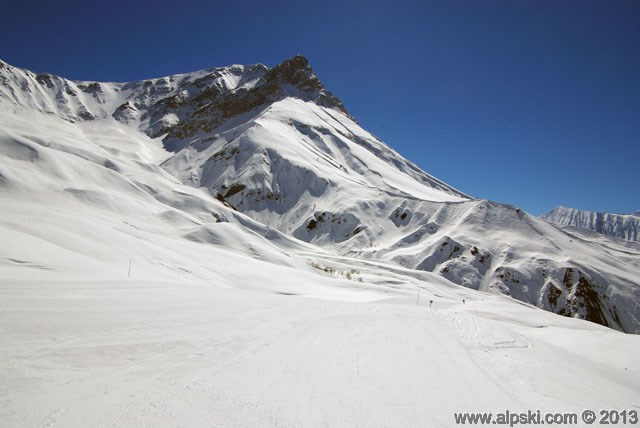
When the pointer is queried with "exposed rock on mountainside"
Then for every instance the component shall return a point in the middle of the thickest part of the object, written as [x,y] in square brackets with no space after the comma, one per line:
[257,87]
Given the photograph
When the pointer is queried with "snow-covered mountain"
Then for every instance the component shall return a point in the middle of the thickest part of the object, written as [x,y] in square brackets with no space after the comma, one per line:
[229,247]
[625,226]
[273,151]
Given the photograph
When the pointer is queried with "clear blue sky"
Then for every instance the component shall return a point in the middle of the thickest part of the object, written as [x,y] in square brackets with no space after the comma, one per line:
[534,103]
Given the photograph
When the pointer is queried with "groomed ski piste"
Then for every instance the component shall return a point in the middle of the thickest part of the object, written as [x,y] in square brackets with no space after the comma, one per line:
[132,296]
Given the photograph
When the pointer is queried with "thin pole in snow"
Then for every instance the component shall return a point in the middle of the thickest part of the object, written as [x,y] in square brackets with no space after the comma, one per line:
[129,274]
[418,300]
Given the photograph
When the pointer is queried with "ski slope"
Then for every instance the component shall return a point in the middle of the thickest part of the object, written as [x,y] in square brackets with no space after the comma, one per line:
[148,354]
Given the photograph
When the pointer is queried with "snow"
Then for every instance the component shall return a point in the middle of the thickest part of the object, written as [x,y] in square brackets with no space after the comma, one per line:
[138,353]
[131,296]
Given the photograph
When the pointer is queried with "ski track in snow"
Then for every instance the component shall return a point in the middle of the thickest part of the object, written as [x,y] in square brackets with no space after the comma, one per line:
[133,353]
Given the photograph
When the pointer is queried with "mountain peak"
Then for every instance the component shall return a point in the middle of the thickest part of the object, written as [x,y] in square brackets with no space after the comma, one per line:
[295,77]
[211,106]
[295,71]
[297,61]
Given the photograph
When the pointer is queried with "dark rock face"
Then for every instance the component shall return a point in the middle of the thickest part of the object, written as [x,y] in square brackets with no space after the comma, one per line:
[585,299]
[577,295]
[297,73]
[209,106]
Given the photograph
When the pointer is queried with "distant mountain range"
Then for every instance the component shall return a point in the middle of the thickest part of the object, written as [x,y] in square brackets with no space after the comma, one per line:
[267,162]
[625,226]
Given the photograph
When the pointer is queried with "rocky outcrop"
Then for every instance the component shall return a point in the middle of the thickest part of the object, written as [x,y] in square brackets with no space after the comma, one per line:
[214,105]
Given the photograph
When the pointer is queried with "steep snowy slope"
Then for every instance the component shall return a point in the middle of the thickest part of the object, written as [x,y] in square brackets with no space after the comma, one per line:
[275,145]
[617,225]
[493,247]
[83,200]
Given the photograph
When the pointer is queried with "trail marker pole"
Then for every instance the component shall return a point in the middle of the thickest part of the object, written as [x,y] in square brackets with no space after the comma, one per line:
[418,300]
[129,273]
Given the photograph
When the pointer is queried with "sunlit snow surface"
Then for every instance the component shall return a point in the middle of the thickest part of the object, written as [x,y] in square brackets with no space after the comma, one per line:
[129,297]
[148,353]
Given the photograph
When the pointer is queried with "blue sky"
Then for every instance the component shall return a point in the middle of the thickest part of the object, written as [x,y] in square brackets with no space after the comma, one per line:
[534,103]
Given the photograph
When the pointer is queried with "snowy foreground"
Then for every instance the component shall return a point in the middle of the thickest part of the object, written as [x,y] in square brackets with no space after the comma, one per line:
[148,354]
